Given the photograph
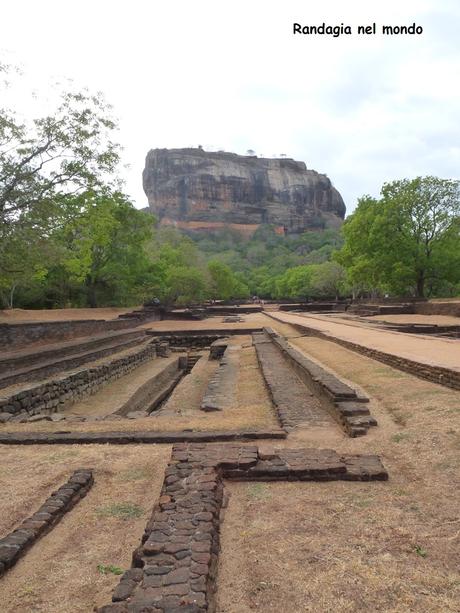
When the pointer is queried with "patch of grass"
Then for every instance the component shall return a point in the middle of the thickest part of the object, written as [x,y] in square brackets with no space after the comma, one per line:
[399,436]
[105,569]
[133,474]
[420,551]
[259,491]
[399,419]
[63,455]
[363,503]
[122,510]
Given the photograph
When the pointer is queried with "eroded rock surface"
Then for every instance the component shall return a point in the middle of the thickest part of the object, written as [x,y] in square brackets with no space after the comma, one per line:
[199,190]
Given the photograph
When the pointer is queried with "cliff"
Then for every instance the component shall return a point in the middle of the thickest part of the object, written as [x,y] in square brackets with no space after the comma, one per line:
[195,189]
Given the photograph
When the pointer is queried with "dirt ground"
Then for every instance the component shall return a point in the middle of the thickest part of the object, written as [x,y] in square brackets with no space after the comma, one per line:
[10,316]
[425,349]
[210,323]
[60,574]
[346,547]
[435,320]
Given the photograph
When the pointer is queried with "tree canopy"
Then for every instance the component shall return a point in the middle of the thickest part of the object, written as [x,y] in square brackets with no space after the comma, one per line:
[407,241]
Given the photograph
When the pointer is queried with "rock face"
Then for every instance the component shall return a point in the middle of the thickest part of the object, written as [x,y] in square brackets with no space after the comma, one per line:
[198,190]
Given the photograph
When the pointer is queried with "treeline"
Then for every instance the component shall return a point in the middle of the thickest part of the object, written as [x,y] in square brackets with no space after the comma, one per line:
[69,236]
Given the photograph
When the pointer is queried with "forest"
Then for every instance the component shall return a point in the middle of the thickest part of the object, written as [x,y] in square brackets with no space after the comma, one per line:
[70,236]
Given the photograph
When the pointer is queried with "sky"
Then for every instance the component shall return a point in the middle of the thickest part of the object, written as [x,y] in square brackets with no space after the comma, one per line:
[232,75]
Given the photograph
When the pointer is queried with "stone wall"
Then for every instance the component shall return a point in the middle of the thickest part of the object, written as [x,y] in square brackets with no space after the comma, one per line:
[14,545]
[175,568]
[49,397]
[14,336]
[438,308]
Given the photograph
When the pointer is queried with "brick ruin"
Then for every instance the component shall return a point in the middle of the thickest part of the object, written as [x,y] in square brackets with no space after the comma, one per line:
[175,566]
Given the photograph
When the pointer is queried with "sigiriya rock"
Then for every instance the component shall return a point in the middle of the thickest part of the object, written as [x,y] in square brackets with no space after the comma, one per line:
[194,189]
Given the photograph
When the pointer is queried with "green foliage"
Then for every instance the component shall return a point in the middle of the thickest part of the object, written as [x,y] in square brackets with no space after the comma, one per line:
[420,551]
[105,569]
[122,510]
[406,242]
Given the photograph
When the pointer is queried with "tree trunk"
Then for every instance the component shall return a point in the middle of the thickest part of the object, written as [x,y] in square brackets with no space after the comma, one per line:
[420,285]
[11,300]
[91,294]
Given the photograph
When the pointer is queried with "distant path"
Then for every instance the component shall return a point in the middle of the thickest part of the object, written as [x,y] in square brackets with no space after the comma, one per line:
[444,353]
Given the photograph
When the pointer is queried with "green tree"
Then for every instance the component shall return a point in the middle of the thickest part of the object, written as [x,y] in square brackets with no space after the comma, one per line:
[224,283]
[186,285]
[327,280]
[105,241]
[44,163]
[406,241]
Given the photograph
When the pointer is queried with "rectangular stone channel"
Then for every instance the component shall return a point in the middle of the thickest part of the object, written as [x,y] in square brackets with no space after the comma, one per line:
[348,407]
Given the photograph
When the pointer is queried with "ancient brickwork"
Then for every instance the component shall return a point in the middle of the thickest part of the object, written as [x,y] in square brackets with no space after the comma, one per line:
[14,545]
[40,363]
[175,568]
[347,406]
[220,393]
[52,395]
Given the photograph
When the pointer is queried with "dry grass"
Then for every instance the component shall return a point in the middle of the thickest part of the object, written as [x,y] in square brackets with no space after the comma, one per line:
[337,547]
[345,547]
[60,572]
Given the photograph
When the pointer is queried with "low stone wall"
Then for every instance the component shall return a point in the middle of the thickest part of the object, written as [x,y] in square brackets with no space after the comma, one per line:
[175,568]
[347,406]
[312,306]
[435,374]
[152,392]
[134,438]
[52,363]
[48,397]
[438,308]
[15,336]
[15,545]
[208,335]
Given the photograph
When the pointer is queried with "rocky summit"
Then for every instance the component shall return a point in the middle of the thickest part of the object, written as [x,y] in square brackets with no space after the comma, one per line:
[194,189]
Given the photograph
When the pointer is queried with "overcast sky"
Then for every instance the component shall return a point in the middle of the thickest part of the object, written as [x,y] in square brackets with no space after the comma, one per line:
[231,75]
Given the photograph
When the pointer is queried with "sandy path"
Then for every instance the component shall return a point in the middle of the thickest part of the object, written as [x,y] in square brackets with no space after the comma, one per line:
[59,574]
[433,351]
[12,316]
[210,323]
[434,320]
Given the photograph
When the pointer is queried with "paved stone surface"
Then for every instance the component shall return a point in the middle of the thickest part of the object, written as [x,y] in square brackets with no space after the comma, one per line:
[14,545]
[220,393]
[335,395]
[175,568]
[296,405]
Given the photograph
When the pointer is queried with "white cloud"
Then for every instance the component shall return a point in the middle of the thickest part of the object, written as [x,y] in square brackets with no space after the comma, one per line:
[231,75]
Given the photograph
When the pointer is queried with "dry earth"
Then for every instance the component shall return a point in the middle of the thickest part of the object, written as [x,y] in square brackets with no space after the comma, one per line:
[346,547]
[59,574]
[437,320]
[10,316]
